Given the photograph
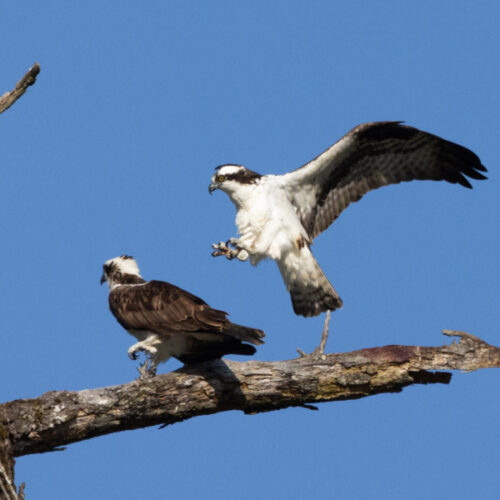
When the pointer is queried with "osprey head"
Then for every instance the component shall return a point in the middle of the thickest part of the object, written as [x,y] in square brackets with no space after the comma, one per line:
[121,271]
[230,177]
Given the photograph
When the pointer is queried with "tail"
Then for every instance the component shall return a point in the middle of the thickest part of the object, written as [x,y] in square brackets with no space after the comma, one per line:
[309,288]
[202,346]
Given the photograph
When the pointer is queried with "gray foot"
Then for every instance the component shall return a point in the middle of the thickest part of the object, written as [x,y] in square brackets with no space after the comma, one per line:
[222,248]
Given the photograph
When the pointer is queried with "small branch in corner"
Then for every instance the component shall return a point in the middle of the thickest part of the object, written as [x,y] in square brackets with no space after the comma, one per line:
[9,98]
[7,488]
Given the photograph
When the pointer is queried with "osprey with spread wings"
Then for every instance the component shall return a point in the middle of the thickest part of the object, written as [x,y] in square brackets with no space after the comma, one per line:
[278,216]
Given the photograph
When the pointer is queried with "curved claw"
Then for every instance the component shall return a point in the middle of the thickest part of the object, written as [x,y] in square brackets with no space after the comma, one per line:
[132,353]
[234,242]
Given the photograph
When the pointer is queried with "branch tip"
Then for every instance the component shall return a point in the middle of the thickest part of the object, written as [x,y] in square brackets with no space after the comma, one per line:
[9,98]
[462,335]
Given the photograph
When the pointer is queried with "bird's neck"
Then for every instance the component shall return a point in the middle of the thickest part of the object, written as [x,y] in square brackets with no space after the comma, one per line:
[243,196]
[119,279]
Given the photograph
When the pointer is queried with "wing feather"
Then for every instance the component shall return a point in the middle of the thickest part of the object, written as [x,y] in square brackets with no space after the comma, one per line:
[162,308]
[370,156]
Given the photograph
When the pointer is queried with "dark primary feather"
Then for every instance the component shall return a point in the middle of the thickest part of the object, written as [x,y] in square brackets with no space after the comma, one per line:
[163,308]
[374,155]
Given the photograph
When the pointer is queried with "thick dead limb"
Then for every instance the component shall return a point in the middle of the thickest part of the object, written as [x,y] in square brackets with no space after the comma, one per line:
[60,417]
[9,98]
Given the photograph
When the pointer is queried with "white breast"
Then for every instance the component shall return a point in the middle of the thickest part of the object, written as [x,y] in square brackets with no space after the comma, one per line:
[267,221]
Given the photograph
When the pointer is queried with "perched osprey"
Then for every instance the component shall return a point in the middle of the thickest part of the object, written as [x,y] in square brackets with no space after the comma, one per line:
[278,216]
[168,321]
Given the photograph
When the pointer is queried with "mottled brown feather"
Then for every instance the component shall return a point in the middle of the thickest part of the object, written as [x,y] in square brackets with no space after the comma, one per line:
[163,308]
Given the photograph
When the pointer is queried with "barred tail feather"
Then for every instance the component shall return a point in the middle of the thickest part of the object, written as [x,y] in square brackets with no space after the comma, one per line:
[309,288]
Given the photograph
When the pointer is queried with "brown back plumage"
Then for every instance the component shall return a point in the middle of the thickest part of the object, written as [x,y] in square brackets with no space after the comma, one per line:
[162,308]
[165,309]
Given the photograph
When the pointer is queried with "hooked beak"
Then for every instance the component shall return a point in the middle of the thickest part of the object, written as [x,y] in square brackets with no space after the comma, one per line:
[103,278]
[212,187]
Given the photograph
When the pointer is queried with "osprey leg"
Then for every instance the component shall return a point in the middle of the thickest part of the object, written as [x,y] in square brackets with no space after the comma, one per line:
[320,350]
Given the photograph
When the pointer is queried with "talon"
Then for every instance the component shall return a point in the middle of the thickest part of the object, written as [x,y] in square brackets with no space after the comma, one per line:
[132,355]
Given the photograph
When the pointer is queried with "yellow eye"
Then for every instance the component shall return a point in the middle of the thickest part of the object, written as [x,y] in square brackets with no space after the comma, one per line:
[220,178]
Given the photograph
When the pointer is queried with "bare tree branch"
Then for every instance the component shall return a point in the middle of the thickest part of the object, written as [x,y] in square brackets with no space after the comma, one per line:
[7,486]
[9,98]
[61,417]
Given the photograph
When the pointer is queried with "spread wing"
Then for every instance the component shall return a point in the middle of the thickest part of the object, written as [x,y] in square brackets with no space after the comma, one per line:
[370,156]
[162,308]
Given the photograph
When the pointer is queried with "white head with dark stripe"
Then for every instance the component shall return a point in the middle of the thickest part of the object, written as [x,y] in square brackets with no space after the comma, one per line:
[121,270]
[231,178]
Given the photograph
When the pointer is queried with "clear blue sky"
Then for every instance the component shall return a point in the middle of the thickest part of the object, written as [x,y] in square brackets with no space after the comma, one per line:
[111,152]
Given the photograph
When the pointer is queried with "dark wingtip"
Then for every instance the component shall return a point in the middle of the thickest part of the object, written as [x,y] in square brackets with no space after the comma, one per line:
[243,333]
[464,182]
[472,170]
[256,337]
[247,350]
[458,163]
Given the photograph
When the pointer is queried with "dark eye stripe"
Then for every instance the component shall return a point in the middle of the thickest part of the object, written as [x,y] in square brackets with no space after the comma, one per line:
[243,177]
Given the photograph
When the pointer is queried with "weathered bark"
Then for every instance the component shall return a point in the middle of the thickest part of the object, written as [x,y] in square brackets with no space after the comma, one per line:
[9,98]
[61,417]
